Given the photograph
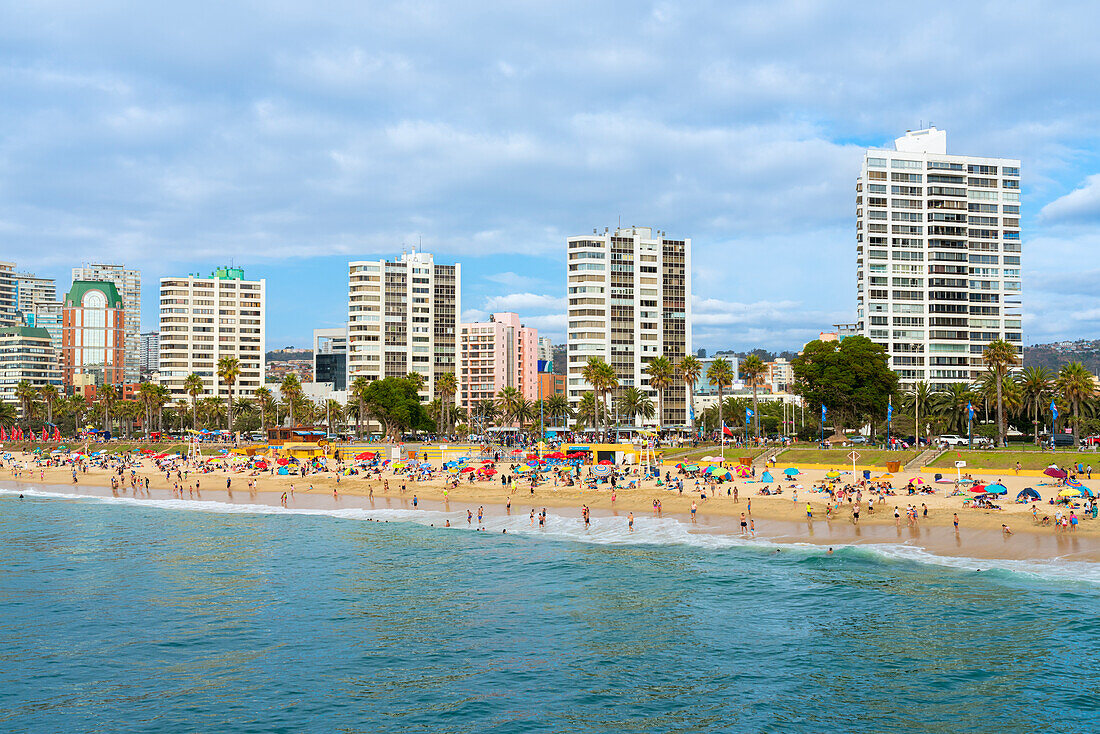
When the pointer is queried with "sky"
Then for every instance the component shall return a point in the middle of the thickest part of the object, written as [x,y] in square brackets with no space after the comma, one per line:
[290,138]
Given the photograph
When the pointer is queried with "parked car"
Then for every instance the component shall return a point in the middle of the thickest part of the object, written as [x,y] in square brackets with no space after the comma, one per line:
[1091,440]
[857,439]
[951,439]
[1061,440]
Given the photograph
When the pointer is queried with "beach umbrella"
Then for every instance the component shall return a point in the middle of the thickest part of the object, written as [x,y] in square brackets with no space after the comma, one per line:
[978,489]
[743,471]
[532,462]
[996,489]
[1056,473]
[366,455]
[281,462]
[689,467]
[564,469]
[918,480]
[832,474]
[1070,492]
[486,461]
[1072,483]
[522,469]
[607,462]
[766,477]
[466,470]
[790,471]
[709,470]
[602,470]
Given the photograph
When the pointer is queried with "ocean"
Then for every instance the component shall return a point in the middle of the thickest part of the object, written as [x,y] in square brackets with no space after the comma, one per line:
[121,615]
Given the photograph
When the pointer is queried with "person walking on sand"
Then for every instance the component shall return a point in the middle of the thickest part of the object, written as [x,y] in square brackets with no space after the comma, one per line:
[630,522]
[414,501]
[897,516]
[955,521]
[809,511]
[693,510]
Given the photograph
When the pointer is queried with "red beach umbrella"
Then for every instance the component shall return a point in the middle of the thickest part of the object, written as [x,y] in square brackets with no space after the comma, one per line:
[282,462]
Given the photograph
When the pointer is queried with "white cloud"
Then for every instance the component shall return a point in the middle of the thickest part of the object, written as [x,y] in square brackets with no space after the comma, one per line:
[1080,205]
[524,302]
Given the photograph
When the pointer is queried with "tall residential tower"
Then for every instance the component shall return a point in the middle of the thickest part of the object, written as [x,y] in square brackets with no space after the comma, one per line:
[937,256]
[629,294]
[402,318]
[128,283]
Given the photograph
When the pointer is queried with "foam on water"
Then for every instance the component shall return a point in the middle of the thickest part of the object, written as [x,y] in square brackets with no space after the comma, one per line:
[612,531]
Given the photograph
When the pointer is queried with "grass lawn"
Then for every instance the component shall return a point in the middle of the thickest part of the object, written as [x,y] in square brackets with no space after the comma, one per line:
[839,457]
[731,454]
[1006,459]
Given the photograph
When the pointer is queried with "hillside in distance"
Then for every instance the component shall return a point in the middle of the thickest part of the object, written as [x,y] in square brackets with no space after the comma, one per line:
[1056,355]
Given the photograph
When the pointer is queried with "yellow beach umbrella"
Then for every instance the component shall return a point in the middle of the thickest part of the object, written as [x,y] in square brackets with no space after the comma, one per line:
[1070,492]
[832,474]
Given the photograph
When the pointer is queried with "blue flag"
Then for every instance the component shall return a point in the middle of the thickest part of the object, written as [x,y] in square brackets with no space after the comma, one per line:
[748,415]
[889,412]
[970,411]
[824,410]
[691,413]
[1054,409]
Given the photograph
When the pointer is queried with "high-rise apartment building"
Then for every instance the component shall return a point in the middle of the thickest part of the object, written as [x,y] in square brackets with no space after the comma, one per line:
[330,357]
[402,318]
[629,294]
[546,349]
[93,337]
[31,290]
[149,352]
[26,353]
[8,295]
[494,355]
[128,283]
[937,256]
[203,319]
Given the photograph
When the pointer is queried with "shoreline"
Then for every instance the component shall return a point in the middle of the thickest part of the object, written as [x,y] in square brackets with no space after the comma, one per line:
[720,527]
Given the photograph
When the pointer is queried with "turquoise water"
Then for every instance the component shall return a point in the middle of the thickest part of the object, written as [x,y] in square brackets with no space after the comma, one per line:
[128,617]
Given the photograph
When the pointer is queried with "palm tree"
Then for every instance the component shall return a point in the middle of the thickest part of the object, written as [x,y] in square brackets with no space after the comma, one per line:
[446,385]
[919,396]
[417,380]
[1076,386]
[661,374]
[1037,384]
[359,392]
[50,397]
[752,369]
[161,397]
[557,408]
[262,396]
[949,405]
[291,388]
[524,411]
[689,371]
[26,394]
[212,410]
[720,374]
[588,410]
[635,402]
[229,369]
[107,396]
[8,418]
[147,394]
[601,376]
[193,386]
[182,409]
[1000,356]
[508,400]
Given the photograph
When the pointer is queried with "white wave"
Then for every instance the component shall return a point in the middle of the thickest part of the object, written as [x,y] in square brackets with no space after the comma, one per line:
[612,531]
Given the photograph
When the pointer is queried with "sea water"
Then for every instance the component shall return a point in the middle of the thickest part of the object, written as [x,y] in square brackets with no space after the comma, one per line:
[123,615]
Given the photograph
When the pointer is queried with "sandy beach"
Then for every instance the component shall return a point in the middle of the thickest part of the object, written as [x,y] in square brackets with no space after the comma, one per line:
[779,518]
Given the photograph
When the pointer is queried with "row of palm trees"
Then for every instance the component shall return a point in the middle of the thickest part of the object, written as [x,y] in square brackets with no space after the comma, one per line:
[1027,394]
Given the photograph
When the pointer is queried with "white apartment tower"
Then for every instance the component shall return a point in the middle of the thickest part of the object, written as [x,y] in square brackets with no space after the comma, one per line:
[128,283]
[629,294]
[937,256]
[203,319]
[402,318]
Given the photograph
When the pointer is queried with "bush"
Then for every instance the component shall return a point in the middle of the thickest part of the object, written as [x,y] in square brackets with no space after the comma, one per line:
[809,433]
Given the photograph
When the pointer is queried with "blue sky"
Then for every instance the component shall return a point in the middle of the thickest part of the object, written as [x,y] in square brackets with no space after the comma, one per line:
[292,137]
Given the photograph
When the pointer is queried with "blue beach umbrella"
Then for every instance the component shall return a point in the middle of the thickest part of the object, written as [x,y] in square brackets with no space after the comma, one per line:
[996,489]
[790,471]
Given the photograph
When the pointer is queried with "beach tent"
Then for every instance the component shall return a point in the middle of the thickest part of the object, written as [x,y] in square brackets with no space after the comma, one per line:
[766,477]
[1028,495]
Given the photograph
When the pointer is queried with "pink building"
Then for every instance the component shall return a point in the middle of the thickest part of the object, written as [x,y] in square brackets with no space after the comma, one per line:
[496,354]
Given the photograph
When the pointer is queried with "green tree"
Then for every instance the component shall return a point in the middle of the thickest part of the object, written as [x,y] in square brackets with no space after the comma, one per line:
[262,396]
[229,369]
[193,386]
[634,402]
[752,369]
[558,410]
[446,385]
[107,395]
[1037,384]
[358,393]
[291,389]
[508,403]
[601,376]
[851,378]
[395,403]
[918,398]
[25,393]
[948,406]
[1000,357]
[1077,388]
[8,417]
[720,374]
[50,398]
[588,410]
[661,374]
[147,394]
[689,370]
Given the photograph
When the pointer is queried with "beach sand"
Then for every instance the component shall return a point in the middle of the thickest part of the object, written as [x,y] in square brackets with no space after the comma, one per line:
[778,518]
